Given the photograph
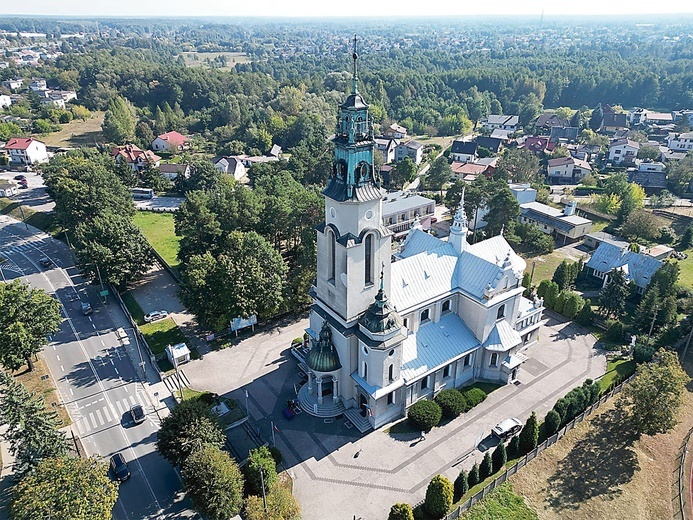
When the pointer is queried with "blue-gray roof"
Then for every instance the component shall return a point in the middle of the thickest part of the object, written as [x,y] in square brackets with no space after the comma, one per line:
[639,268]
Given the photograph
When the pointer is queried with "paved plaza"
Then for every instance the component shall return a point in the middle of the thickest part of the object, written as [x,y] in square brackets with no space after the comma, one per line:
[339,473]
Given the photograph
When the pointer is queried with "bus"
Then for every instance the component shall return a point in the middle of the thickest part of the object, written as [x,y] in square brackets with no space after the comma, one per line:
[142,193]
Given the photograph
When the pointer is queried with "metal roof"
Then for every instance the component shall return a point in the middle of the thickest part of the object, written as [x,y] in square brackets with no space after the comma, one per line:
[639,268]
[502,337]
[436,344]
[396,202]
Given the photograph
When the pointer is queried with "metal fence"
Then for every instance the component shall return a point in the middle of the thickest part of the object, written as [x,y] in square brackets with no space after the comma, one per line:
[679,492]
[503,477]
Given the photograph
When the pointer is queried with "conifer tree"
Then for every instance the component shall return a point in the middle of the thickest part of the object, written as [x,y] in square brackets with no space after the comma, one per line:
[473,477]
[500,457]
[529,436]
[486,467]
[461,485]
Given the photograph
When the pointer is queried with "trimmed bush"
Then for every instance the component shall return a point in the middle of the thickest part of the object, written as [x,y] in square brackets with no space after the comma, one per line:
[614,331]
[425,414]
[474,396]
[257,459]
[643,353]
[560,302]
[529,436]
[401,512]
[473,477]
[460,486]
[514,446]
[281,505]
[551,295]
[276,455]
[500,457]
[451,402]
[439,493]
[486,467]
[585,317]
[552,422]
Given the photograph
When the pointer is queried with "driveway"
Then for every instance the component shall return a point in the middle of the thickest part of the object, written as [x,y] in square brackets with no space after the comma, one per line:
[336,469]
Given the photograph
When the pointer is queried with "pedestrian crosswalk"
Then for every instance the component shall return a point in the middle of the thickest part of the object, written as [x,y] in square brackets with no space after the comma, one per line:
[25,247]
[99,413]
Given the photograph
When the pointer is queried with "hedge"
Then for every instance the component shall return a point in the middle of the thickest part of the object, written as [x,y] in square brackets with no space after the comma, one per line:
[451,402]
[473,396]
[425,414]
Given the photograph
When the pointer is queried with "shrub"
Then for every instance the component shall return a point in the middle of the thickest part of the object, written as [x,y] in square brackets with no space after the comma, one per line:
[486,467]
[552,422]
[573,305]
[560,302]
[474,396]
[473,477]
[461,486]
[543,286]
[276,455]
[667,235]
[281,505]
[451,402]
[439,493]
[614,331]
[686,238]
[500,457]
[401,512]
[551,295]
[514,446]
[529,436]
[260,458]
[643,353]
[585,316]
[425,414]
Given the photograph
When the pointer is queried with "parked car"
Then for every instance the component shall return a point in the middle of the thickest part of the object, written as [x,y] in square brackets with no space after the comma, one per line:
[20,177]
[507,428]
[155,315]
[137,413]
[120,332]
[72,296]
[86,308]
[45,262]
[120,467]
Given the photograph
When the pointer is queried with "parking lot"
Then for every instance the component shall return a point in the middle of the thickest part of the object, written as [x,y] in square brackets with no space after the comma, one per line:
[34,195]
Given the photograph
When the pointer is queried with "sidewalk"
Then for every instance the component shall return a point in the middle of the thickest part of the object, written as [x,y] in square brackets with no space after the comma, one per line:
[5,479]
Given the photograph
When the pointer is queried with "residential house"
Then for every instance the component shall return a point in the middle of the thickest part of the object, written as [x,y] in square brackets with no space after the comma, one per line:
[171,171]
[170,142]
[567,170]
[5,101]
[491,163]
[503,135]
[623,151]
[562,225]
[592,240]
[386,146]
[538,145]
[24,152]
[411,149]
[660,118]
[637,267]
[680,142]
[467,171]
[463,151]
[13,84]
[637,116]
[545,122]
[65,95]
[503,122]
[395,131]
[652,181]
[659,252]
[611,122]
[401,209]
[655,166]
[136,158]
[53,102]
[38,85]
[231,166]
[566,133]
[7,188]
[249,160]
[492,144]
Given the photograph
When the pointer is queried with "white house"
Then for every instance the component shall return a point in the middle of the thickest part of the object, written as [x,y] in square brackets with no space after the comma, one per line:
[502,122]
[385,333]
[54,102]
[565,225]
[231,166]
[464,151]
[680,142]
[26,151]
[567,170]
[5,101]
[411,149]
[386,146]
[7,188]
[401,209]
[170,142]
[13,84]
[623,151]
[396,131]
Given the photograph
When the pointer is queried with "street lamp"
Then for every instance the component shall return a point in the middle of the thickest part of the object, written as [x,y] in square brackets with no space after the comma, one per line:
[142,363]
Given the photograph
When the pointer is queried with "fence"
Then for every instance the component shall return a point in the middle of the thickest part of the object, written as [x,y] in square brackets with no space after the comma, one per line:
[503,477]
[679,498]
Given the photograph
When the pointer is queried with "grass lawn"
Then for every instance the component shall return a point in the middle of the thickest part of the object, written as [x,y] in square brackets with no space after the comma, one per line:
[501,503]
[77,133]
[44,221]
[40,382]
[686,274]
[161,334]
[159,230]
[133,308]
[196,59]
[616,369]
[487,388]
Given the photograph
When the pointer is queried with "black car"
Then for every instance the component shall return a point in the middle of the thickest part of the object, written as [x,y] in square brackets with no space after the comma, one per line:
[86,309]
[137,413]
[20,177]
[120,467]
[45,262]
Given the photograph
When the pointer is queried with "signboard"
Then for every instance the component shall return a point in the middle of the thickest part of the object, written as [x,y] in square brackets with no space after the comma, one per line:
[104,293]
[241,323]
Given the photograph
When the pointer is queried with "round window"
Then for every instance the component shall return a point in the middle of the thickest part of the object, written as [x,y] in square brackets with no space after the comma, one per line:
[391,353]
[365,350]
[369,214]
[333,212]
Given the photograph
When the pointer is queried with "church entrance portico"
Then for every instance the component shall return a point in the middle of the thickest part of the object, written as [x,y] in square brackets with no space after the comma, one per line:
[319,396]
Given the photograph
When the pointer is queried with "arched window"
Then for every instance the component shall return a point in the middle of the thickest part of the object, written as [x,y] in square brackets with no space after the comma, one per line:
[391,373]
[365,370]
[331,255]
[368,256]
[501,312]
[494,359]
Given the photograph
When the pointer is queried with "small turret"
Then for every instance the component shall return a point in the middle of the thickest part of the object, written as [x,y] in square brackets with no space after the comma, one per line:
[458,230]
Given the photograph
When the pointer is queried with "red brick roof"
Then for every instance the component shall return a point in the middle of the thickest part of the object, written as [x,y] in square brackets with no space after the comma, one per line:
[131,153]
[174,138]
[19,143]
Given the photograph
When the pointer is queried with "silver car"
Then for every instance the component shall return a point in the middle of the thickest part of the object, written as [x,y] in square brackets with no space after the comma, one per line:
[155,316]
[507,428]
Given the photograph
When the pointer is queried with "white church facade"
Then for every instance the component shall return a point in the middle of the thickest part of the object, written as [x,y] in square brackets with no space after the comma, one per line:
[389,329]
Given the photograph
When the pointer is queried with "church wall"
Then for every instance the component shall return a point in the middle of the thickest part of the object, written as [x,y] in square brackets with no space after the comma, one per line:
[474,315]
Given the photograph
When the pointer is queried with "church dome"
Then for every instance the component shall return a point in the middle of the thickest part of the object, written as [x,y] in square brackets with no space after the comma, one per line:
[354,101]
[323,356]
[380,318]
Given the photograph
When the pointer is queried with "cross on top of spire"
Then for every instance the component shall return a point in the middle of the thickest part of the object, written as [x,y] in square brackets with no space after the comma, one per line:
[355,79]
[461,216]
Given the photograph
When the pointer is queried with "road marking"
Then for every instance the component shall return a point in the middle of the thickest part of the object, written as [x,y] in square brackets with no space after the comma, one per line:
[114,368]
[93,420]
[90,319]
[102,343]
[61,368]
[71,392]
[120,409]
[57,357]
[100,417]
[93,326]
[107,413]
[80,426]
[132,400]
[112,363]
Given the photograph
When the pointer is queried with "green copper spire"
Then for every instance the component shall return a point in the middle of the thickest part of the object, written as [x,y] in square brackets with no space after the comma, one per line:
[355,85]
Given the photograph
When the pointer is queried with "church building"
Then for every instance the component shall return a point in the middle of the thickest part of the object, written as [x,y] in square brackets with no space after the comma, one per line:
[389,327]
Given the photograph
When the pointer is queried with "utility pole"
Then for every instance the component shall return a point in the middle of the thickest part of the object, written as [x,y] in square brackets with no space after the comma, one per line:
[531,276]
[654,317]
[264,498]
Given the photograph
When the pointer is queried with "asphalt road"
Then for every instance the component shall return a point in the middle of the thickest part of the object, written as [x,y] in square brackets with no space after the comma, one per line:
[95,377]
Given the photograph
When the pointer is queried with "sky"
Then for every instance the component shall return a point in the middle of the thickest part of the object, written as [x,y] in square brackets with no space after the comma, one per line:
[331,8]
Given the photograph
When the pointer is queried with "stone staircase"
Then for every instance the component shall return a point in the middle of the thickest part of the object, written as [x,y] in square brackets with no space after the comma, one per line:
[328,408]
[362,423]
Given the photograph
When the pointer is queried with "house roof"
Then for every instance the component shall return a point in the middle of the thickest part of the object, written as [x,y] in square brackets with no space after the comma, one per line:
[435,344]
[397,128]
[173,168]
[499,133]
[603,236]
[463,168]
[491,143]
[131,153]
[625,142]
[20,143]
[615,120]
[276,150]
[552,216]
[686,135]
[503,120]
[414,145]
[637,267]
[537,144]
[648,179]
[398,201]
[563,161]
[465,147]
[502,337]
[660,116]
[550,120]
[174,138]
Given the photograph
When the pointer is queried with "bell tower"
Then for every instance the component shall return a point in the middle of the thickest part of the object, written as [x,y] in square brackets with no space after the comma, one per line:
[352,243]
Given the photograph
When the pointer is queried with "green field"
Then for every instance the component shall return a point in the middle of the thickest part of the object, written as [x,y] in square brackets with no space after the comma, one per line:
[159,230]
[686,275]
[161,334]
[197,59]
[501,503]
